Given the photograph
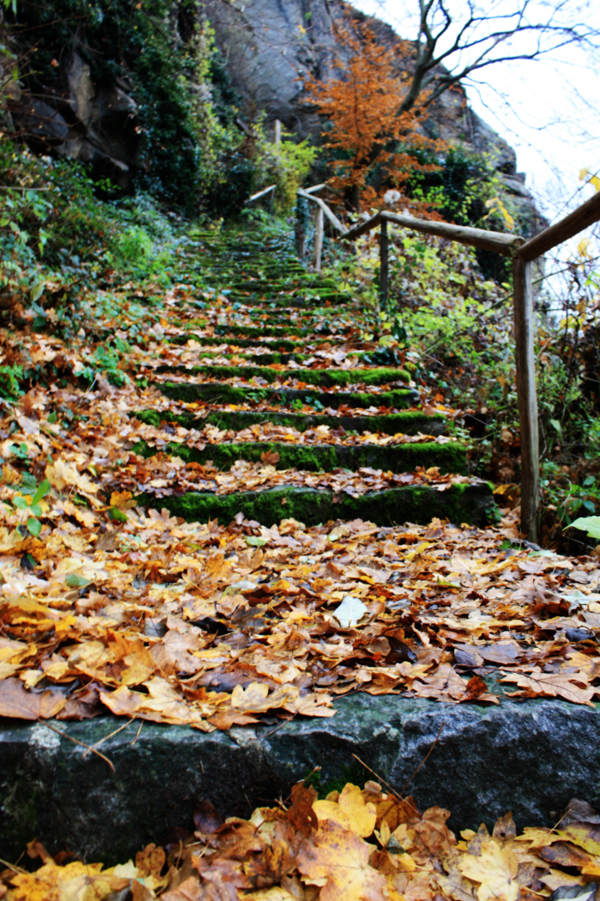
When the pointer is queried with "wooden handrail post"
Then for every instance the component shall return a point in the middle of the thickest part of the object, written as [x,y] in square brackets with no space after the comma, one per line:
[527,398]
[319,238]
[302,218]
[384,263]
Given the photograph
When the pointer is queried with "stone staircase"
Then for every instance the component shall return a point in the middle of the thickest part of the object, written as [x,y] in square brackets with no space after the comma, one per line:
[275,383]
[287,367]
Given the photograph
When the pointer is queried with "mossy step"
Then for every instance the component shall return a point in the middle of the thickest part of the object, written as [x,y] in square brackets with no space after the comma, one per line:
[322,324]
[284,286]
[259,266]
[297,300]
[238,258]
[258,359]
[325,378]
[287,282]
[268,358]
[261,359]
[450,457]
[268,274]
[282,344]
[309,318]
[218,393]
[409,422]
[271,331]
[471,503]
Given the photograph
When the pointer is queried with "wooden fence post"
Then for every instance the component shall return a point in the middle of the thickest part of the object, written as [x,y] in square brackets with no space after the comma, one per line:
[383,262]
[277,131]
[319,239]
[527,398]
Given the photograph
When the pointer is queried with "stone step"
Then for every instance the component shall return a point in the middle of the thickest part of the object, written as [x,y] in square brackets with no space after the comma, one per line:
[282,344]
[270,331]
[293,316]
[450,457]
[463,502]
[531,757]
[261,357]
[273,326]
[409,422]
[219,393]
[298,298]
[284,283]
[325,378]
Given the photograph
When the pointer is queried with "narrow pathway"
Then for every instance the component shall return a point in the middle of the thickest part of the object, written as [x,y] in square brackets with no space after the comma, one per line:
[310,418]
[159,662]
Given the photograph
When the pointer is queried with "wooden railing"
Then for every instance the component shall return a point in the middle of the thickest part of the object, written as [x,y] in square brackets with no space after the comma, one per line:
[523,252]
[262,195]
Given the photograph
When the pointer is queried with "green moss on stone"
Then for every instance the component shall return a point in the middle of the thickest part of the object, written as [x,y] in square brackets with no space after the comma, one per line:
[295,298]
[216,392]
[451,457]
[408,422]
[283,345]
[470,503]
[327,378]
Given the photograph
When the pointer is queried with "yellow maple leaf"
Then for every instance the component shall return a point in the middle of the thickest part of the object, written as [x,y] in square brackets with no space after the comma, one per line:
[75,882]
[495,869]
[350,811]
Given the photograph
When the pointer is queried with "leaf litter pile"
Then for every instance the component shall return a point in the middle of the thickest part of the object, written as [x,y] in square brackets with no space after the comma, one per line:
[354,845]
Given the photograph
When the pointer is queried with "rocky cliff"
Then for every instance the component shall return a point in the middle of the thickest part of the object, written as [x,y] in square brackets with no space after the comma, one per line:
[93,123]
[271,45]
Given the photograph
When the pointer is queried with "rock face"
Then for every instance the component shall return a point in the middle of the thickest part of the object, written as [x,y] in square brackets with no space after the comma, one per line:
[530,757]
[92,123]
[268,47]
[271,45]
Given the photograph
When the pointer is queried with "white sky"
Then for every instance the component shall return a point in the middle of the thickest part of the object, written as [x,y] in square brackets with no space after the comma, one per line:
[549,111]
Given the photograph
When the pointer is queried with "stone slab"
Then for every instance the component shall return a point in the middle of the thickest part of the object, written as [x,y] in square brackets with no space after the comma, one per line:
[531,757]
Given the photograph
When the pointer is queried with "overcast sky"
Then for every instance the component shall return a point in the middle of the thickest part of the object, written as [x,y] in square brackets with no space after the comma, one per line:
[549,110]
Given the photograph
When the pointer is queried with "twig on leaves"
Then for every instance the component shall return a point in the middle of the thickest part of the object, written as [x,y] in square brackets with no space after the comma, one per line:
[383,782]
[400,796]
[131,743]
[11,866]
[424,759]
[288,720]
[110,735]
[82,744]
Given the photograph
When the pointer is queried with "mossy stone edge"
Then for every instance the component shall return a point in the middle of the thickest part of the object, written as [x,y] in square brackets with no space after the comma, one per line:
[471,503]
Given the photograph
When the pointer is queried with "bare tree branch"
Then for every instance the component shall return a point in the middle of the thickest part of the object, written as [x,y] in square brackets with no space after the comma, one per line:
[439,62]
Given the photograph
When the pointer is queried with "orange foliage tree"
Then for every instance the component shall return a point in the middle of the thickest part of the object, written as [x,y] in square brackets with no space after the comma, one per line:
[374,142]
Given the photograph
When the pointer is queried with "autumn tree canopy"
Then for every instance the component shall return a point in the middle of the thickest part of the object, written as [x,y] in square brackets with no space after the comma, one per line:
[374,142]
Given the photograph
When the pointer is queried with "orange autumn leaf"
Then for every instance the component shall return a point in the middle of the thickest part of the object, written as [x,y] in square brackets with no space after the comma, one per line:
[338,861]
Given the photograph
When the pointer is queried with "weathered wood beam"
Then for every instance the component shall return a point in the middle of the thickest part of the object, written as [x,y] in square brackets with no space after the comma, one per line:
[319,239]
[330,215]
[527,397]
[362,228]
[571,225]
[500,242]
[384,271]
[261,193]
